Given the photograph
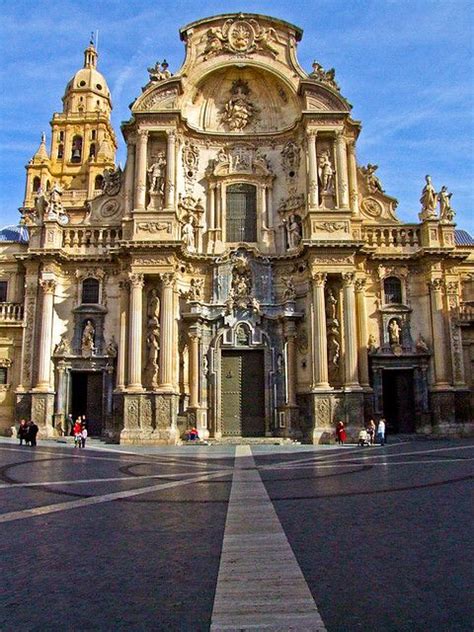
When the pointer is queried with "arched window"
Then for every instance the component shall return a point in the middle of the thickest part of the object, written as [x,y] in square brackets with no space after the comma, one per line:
[76,150]
[241,213]
[60,150]
[392,288]
[92,150]
[36,184]
[90,290]
[98,182]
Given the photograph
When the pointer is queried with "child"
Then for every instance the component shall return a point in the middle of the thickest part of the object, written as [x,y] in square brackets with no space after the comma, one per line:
[83,436]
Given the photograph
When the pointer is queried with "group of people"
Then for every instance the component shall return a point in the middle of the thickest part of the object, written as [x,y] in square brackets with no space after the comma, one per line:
[79,431]
[27,432]
[369,435]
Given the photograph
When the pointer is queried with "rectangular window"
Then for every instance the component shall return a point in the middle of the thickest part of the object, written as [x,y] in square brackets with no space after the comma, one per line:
[3,375]
[3,291]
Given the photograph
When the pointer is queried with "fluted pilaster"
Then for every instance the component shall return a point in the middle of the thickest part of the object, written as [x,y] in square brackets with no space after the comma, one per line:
[362,332]
[170,170]
[135,332]
[141,166]
[342,183]
[44,365]
[167,337]
[320,349]
[350,330]
[312,170]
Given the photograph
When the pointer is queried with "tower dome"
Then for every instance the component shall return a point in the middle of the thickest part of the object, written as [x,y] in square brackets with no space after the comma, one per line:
[88,91]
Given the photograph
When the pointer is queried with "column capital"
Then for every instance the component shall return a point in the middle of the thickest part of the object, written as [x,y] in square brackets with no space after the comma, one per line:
[171,135]
[168,279]
[348,279]
[452,287]
[136,279]
[124,284]
[436,285]
[142,135]
[360,285]
[319,278]
[48,285]
[311,133]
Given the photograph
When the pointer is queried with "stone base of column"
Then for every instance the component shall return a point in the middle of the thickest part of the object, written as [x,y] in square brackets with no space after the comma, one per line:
[451,412]
[333,406]
[149,418]
[22,405]
[59,425]
[197,417]
[42,410]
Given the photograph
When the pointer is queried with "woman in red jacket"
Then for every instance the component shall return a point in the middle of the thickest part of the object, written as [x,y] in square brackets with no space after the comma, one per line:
[341,435]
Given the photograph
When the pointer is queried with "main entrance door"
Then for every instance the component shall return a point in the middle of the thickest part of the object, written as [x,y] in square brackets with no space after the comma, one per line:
[86,398]
[399,400]
[242,394]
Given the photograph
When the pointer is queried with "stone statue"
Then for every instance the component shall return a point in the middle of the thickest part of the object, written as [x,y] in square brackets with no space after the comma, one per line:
[153,344]
[54,204]
[372,181]
[112,181]
[153,312]
[187,233]
[62,348]
[428,200]
[160,71]
[334,350]
[293,232]
[195,289]
[289,293]
[325,76]
[446,213]
[372,344]
[422,345]
[325,172]
[87,343]
[394,332]
[156,174]
[112,348]
[331,306]
[238,111]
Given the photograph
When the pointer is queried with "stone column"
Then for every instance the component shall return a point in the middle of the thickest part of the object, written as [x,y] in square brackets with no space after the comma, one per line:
[108,389]
[362,332]
[129,177]
[263,195]
[167,338]
[135,333]
[170,170]
[212,206]
[312,169]
[320,346]
[44,363]
[439,333]
[60,399]
[350,331]
[122,344]
[455,337]
[342,183]
[28,341]
[353,187]
[290,335]
[141,166]
[194,372]
[268,204]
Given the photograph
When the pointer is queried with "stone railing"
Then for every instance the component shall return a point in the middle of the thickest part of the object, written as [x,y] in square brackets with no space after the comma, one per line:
[73,197]
[406,236]
[11,312]
[87,239]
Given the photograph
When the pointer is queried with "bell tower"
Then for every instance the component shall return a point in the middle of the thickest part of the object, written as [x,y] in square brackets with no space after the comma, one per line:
[83,142]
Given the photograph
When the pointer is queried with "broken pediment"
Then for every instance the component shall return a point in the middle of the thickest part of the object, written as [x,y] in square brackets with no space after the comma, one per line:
[375,205]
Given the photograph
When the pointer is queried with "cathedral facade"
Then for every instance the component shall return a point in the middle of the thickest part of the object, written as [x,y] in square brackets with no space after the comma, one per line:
[243,273]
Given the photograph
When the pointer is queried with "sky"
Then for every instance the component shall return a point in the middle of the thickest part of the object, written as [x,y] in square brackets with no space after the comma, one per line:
[407,67]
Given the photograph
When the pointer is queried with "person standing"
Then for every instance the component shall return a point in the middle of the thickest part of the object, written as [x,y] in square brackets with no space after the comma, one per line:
[22,430]
[341,435]
[381,431]
[77,430]
[83,436]
[32,431]
[371,431]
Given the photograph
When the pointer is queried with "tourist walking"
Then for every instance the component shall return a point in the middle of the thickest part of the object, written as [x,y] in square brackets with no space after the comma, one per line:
[22,431]
[381,432]
[341,435]
[83,436]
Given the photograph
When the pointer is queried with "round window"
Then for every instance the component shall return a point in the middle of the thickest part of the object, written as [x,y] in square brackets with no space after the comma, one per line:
[98,86]
[82,83]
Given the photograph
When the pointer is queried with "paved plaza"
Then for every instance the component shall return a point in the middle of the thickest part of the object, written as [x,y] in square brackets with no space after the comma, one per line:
[237,537]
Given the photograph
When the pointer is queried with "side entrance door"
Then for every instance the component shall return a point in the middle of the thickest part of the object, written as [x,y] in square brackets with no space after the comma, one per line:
[399,400]
[242,394]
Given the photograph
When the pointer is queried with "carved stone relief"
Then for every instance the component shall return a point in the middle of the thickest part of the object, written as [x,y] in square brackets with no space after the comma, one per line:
[238,111]
[240,37]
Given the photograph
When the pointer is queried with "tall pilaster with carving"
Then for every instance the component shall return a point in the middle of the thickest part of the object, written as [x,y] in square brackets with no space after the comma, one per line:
[141,169]
[135,332]
[167,333]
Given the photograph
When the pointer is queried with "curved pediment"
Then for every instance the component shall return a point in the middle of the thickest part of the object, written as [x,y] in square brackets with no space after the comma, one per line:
[241,99]
[323,98]
[159,96]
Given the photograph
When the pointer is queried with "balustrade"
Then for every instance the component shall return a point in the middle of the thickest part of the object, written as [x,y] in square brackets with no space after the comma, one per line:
[466,312]
[11,312]
[405,236]
[89,238]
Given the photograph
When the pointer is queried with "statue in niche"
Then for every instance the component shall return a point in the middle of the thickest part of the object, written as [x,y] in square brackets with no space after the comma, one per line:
[293,231]
[422,345]
[154,307]
[239,110]
[156,175]
[195,289]
[242,335]
[153,349]
[428,200]
[187,233]
[325,172]
[334,351]
[112,348]
[446,212]
[394,332]
[331,306]
[289,293]
[372,181]
[87,341]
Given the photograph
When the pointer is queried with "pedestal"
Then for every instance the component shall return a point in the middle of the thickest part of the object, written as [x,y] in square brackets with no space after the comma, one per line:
[42,409]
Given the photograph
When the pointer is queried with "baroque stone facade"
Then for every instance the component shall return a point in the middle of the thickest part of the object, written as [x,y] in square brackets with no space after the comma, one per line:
[242,273]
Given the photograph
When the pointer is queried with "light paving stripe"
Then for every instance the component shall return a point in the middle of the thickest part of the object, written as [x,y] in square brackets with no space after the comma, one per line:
[105,498]
[260,585]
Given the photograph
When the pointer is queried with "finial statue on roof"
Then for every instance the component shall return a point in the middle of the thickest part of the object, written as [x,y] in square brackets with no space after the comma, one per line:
[43,137]
[160,71]
[324,76]
[446,212]
[428,201]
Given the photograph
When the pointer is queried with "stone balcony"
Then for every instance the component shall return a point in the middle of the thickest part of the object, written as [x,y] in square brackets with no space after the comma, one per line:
[466,313]
[88,240]
[11,313]
[400,238]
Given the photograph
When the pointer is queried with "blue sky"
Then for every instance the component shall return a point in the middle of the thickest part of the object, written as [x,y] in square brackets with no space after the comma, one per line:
[407,66]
